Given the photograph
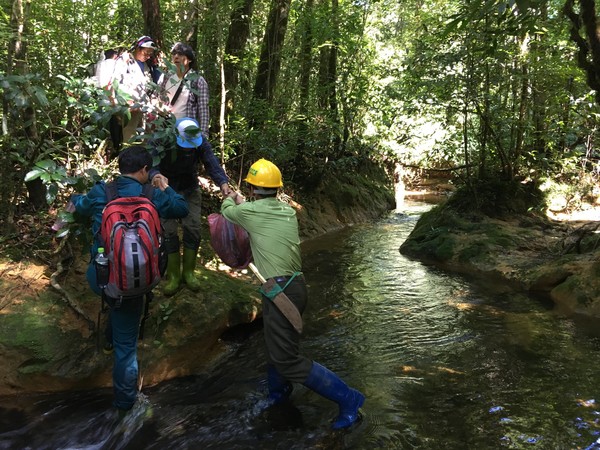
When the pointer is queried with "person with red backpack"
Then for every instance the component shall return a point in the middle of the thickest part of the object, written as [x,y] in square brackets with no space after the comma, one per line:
[126,225]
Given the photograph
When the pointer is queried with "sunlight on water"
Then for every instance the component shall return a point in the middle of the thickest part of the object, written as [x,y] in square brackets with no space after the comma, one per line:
[444,363]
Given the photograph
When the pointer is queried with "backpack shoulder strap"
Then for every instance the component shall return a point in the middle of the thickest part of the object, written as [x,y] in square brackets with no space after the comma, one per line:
[178,92]
[148,191]
[111,191]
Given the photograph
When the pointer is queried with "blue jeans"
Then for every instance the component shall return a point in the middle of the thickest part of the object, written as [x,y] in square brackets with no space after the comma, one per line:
[125,320]
[124,323]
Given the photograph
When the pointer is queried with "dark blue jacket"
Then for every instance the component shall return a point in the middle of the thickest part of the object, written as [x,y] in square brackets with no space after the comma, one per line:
[182,168]
[169,203]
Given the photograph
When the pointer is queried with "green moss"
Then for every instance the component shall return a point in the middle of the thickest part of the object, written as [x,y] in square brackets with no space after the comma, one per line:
[571,288]
[35,331]
[497,235]
[595,269]
[497,197]
[589,243]
[476,251]
[445,250]
[436,245]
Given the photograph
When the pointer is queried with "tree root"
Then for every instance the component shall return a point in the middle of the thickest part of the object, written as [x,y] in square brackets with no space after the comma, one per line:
[60,269]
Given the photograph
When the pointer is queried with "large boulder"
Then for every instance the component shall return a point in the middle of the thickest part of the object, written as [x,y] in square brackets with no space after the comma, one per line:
[555,260]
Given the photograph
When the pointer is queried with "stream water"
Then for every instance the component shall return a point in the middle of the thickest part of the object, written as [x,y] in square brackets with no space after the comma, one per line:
[445,362]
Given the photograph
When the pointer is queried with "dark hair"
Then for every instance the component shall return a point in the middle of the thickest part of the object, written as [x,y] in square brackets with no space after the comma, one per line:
[110,53]
[185,50]
[134,158]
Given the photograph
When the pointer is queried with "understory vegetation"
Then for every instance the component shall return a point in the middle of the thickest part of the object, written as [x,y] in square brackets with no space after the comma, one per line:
[503,96]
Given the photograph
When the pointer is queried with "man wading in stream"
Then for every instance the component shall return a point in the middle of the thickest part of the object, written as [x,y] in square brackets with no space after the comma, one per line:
[275,242]
[125,312]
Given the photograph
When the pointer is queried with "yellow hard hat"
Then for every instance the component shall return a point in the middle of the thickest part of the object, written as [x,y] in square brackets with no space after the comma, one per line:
[264,173]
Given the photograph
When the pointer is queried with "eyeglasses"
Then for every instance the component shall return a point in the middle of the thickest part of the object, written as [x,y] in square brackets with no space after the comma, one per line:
[148,53]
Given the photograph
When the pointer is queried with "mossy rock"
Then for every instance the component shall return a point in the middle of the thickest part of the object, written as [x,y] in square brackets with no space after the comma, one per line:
[497,197]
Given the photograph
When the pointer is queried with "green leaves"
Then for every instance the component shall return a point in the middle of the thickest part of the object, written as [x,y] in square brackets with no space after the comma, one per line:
[56,178]
[48,171]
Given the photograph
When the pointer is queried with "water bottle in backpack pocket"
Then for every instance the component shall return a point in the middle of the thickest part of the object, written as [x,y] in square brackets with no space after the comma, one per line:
[102,268]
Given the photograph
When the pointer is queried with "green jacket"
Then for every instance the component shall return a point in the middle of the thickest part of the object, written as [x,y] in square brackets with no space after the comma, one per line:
[273,229]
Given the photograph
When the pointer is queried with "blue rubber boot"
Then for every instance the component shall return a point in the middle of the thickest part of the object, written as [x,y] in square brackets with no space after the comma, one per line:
[327,384]
[280,389]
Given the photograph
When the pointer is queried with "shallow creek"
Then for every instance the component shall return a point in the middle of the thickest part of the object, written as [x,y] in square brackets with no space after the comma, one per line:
[445,362]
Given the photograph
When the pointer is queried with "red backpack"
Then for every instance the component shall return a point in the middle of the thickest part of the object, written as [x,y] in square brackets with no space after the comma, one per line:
[133,241]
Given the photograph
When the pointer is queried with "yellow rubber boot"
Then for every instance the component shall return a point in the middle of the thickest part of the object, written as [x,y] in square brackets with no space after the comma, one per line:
[189,265]
[173,274]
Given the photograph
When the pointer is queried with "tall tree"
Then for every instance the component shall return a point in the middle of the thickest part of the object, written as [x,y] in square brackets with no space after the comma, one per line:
[270,54]
[191,18]
[328,66]
[237,37]
[584,32]
[211,49]
[152,20]
[306,63]
[25,121]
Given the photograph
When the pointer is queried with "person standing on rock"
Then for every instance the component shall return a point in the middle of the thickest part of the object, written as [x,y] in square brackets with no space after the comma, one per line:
[273,230]
[125,314]
[180,166]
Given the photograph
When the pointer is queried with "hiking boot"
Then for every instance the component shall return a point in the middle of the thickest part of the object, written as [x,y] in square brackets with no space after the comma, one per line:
[279,388]
[327,384]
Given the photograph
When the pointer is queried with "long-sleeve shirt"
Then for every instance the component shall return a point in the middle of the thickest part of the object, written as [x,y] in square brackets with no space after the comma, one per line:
[182,171]
[169,203]
[273,229]
[133,77]
[192,100]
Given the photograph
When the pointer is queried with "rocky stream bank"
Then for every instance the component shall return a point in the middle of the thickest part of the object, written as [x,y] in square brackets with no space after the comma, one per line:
[49,316]
[49,339]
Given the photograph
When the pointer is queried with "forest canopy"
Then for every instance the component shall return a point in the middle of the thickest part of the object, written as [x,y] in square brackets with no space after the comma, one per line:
[502,90]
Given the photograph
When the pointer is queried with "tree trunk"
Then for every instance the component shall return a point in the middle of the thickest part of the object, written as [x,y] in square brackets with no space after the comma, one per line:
[332,79]
[566,116]
[539,96]
[191,35]
[523,100]
[235,47]
[483,126]
[152,21]
[211,46]
[270,55]
[327,91]
[322,95]
[589,43]
[17,57]
[305,70]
